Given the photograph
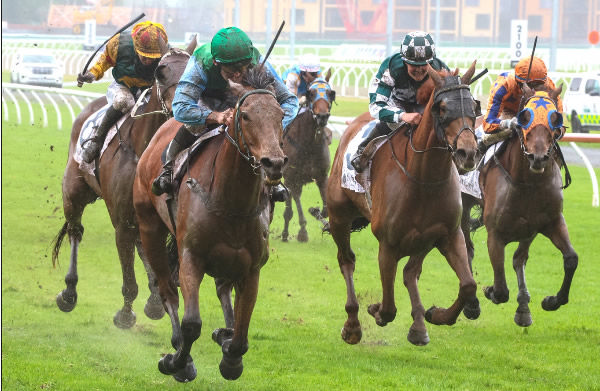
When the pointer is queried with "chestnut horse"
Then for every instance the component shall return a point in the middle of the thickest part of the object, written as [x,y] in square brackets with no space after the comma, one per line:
[222,217]
[416,204]
[522,196]
[116,169]
[306,143]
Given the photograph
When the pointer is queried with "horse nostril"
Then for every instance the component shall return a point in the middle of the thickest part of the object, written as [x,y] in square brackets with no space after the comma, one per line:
[460,154]
[266,162]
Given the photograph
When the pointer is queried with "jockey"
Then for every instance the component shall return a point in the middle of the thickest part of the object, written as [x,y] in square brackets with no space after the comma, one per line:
[393,90]
[133,56]
[299,77]
[505,97]
[227,57]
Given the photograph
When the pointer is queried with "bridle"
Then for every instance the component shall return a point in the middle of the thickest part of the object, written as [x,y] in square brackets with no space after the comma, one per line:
[239,135]
[164,110]
[454,104]
[321,88]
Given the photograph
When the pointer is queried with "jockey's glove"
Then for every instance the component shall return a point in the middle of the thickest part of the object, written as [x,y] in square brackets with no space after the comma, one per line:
[509,123]
[87,77]
[302,100]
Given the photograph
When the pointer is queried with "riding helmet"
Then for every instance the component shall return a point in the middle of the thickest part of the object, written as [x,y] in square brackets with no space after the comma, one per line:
[538,70]
[231,45]
[146,36]
[417,48]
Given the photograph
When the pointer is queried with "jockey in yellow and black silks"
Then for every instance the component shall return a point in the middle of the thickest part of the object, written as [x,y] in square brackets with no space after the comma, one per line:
[133,56]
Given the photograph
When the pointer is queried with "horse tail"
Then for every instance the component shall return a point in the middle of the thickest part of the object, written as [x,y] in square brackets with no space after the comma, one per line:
[57,241]
[173,258]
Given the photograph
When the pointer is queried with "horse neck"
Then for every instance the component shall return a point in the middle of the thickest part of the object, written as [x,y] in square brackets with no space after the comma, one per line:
[435,163]
[235,185]
[303,131]
[146,126]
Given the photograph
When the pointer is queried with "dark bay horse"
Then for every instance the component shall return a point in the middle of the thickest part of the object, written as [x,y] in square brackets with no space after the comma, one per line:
[306,143]
[115,185]
[522,196]
[222,221]
[416,204]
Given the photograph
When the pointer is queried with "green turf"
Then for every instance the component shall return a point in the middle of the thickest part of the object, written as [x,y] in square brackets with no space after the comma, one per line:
[294,335]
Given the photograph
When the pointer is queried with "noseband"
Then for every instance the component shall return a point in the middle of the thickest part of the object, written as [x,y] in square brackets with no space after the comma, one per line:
[239,135]
[454,104]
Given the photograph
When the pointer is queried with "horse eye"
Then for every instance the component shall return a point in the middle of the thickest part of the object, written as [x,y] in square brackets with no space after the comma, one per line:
[245,116]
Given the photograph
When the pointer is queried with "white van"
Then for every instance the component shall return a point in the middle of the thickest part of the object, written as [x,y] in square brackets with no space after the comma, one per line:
[581,102]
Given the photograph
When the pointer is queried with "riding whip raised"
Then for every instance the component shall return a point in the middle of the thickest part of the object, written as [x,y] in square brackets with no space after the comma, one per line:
[140,16]
[531,60]
[272,45]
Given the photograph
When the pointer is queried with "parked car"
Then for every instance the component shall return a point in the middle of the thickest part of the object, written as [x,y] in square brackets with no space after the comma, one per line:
[581,102]
[38,68]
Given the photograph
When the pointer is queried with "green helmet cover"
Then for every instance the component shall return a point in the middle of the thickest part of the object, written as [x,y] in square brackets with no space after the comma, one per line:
[231,45]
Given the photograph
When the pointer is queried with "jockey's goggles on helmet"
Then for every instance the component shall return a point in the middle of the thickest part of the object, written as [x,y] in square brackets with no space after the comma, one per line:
[239,66]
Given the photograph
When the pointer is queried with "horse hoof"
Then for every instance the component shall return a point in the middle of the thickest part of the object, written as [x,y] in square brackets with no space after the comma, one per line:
[187,373]
[165,364]
[551,303]
[66,304]
[124,320]
[154,308]
[429,314]
[418,338]
[351,337]
[231,369]
[373,310]
[222,335]
[302,236]
[523,319]
[472,310]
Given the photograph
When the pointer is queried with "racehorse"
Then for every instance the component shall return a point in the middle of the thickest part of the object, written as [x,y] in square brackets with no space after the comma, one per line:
[222,220]
[416,205]
[116,169]
[522,196]
[306,143]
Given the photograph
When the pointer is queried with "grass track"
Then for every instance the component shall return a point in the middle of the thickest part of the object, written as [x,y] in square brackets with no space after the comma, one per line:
[294,336]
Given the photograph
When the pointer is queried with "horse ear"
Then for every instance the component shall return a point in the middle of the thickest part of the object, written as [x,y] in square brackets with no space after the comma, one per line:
[437,79]
[555,93]
[455,72]
[328,75]
[192,45]
[162,44]
[466,78]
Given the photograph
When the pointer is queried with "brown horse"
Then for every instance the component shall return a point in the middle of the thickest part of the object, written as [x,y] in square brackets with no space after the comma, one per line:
[416,204]
[522,196]
[306,143]
[116,171]
[222,217]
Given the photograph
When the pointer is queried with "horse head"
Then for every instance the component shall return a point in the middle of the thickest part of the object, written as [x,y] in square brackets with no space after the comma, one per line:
[257,129]
[540,125]
[320,97]
[454,111]
[167,75]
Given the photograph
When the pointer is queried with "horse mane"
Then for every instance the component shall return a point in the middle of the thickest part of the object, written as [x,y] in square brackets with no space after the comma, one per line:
[259,78]
[426,90]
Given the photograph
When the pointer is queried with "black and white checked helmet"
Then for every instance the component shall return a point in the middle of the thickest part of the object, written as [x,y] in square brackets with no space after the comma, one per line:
[417,48]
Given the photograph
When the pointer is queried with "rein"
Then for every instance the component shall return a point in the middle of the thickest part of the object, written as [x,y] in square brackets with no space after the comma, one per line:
[247,155]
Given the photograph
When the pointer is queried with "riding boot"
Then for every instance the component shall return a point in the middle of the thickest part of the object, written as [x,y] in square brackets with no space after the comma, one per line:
[279,193]
[378,130]
[93,145]
[164,181]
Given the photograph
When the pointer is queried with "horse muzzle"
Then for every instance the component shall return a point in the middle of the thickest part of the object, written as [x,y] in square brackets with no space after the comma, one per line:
[537,162]
[273,167]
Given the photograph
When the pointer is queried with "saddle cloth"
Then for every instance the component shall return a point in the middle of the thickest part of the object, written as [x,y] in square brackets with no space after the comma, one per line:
[469,182]
[348,172]
[92,122]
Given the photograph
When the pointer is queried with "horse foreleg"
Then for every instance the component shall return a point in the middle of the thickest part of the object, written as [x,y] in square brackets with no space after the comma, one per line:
[125,237]
[522,315]
[499,292]
[559,236]
[224,294]
[385,311]
[234,347]
[472,309]
[180,364]
[454,249]
[417,334]
[322,185]
[288,213]
[302,233]
[351,332]
[154,308]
